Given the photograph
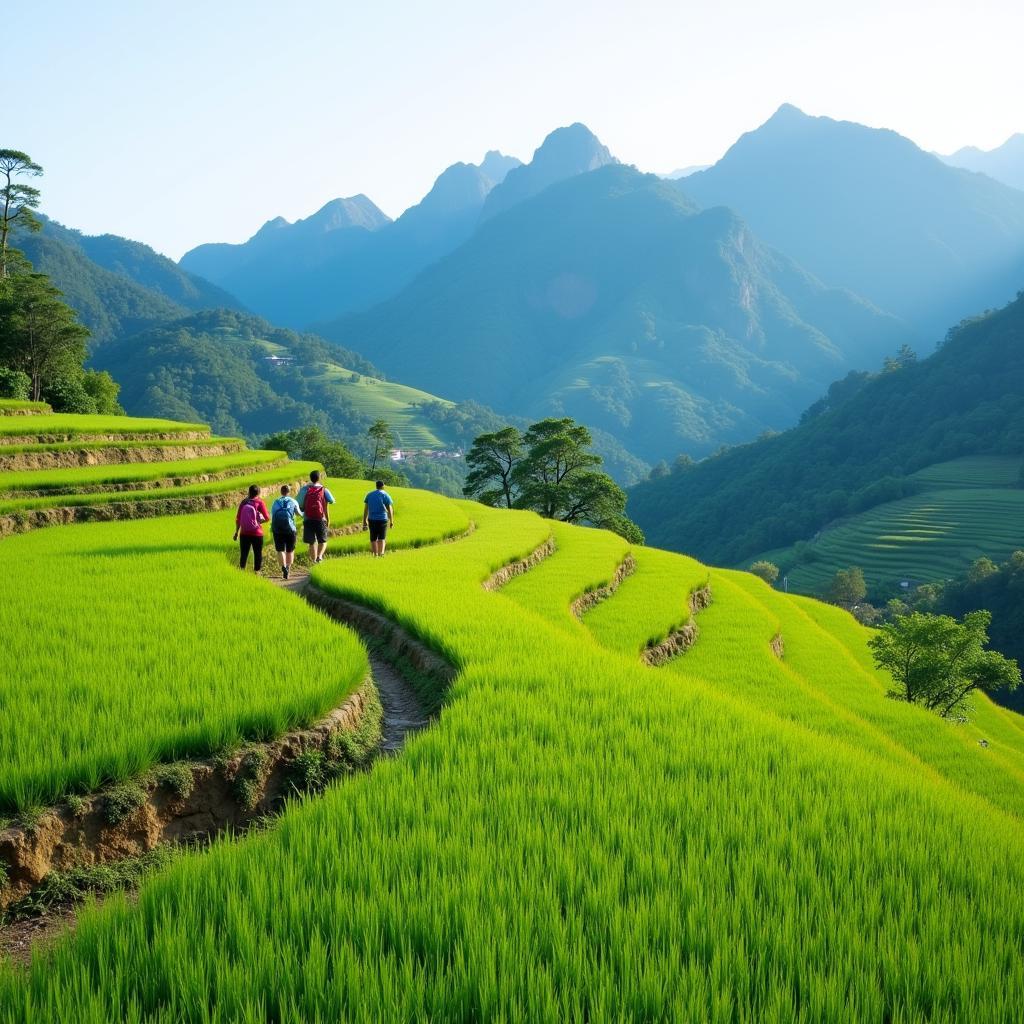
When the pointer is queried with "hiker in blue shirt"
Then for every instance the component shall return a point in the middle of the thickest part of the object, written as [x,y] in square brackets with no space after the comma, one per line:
[378,515]
[282,525]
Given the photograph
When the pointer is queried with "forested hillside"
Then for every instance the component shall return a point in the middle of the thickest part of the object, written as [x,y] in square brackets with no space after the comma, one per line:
[610,298]
[966,399]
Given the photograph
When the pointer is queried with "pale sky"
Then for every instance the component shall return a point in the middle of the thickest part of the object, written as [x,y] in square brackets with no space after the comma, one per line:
[186,122]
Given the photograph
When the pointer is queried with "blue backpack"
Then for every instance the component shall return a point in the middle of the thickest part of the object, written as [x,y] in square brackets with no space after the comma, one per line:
[281,518]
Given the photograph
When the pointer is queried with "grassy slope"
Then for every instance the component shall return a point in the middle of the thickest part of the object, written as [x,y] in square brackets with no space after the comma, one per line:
[69,425]
[969,507]
[68,480]
[731,837]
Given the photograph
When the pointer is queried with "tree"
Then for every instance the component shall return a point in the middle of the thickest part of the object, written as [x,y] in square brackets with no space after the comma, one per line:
[981,569]
[383,441]
[14,384]
[847,587]
[937,661]
[556,449]
[768,571]
[17,200]
[492,461]
[659,471]
[40,334]
[550,471]
[312,444]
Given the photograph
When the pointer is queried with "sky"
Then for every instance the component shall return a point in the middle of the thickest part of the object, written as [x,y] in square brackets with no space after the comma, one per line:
[181,123]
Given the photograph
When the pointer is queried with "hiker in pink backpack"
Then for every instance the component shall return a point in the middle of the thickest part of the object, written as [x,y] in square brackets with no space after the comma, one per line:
[249,520]
[313,499]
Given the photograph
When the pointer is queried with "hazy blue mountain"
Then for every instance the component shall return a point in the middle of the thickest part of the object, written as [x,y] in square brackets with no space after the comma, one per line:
[348,256]
[853,450]
[1005,163]
[565,153]
[611,298]
[684,172]
[868,210]
[496,165]
[341,224]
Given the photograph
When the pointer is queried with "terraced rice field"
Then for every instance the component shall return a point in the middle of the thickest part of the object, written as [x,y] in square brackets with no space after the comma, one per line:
[970,508]
[376,399]
[751,832]
[384,400]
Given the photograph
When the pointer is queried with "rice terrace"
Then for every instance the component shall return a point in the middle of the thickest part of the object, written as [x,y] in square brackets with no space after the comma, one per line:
[580,833]
[575,582]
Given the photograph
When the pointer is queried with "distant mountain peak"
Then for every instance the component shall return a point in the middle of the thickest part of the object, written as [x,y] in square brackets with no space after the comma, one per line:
[496,165]
[354,212]
[564,153]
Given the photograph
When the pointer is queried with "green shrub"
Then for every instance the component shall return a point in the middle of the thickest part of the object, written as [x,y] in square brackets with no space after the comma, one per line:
[121,802]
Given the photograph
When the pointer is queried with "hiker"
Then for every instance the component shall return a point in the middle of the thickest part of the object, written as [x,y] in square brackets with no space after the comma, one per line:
[282,526]
[313,499]
[378,514]
[249,519]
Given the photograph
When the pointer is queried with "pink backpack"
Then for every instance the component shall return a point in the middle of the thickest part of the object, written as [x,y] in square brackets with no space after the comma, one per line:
[249,517]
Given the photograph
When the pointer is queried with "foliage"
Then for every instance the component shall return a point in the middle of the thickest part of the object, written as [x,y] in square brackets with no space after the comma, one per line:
[121,802]
[17,200]
[847,587]
[15,384]
[492,460]
[41,336]
[768,571]
[313,444]
[551,470]
[938,662]
[382,440]
[966,399]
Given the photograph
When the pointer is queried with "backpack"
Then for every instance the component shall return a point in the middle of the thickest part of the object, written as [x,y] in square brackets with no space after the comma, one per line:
[248,517]
[281,521]
[315,503]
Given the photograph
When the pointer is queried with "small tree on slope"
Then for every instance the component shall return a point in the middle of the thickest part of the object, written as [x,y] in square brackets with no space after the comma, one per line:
[937,662]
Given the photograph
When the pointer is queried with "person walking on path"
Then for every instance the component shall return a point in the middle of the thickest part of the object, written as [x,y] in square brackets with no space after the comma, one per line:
[313,499]
[378,515]
[282,526]
[249,519]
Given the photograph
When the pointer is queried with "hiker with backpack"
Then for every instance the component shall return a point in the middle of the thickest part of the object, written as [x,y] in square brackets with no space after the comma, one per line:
[249,519]
[313,499]
[282,526]
[378,515]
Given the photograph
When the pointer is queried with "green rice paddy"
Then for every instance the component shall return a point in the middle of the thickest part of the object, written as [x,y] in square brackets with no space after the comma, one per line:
[79,479]
[968,508]
[732,837]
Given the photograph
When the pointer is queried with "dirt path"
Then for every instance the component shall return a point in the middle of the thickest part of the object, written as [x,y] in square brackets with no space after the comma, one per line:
[403,709]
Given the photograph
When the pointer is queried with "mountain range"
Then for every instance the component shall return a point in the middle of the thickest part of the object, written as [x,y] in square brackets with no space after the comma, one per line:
[866,209]
[1005,163]
[611,298]
[349,255]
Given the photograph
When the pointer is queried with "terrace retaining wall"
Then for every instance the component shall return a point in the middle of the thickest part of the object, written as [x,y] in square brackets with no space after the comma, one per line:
[684,637]
[64,837]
